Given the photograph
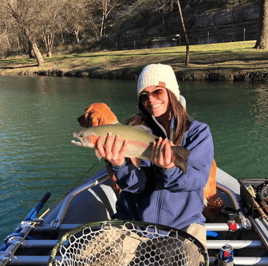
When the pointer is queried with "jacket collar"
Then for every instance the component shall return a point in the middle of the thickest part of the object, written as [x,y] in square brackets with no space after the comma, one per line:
[172,125]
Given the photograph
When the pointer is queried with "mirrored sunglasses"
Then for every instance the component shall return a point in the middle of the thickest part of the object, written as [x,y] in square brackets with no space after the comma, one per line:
[158,94]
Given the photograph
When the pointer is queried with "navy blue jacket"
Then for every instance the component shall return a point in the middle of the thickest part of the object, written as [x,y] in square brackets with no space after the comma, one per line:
[167,196]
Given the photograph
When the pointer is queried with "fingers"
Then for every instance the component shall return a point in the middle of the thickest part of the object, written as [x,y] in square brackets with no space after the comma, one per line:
[113,150]
[123,149]
[167,153]
[108,146]
[155,151]
[100,147]
[162,154]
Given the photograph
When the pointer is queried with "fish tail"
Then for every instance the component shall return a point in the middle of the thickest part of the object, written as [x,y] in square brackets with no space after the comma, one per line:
[182,152]
[180,157]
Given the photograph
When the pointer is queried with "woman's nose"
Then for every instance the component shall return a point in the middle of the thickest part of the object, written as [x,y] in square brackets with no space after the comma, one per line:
[151,98]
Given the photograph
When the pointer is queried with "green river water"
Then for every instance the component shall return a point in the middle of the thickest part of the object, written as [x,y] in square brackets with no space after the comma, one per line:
[38,114]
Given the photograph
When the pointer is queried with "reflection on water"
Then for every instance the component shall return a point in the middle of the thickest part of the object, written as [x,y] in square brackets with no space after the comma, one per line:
[37,116]
[259,132]
[236,114]
[260,111]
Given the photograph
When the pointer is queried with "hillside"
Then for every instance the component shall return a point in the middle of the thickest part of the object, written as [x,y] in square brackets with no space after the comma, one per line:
[206,21]
[217,47]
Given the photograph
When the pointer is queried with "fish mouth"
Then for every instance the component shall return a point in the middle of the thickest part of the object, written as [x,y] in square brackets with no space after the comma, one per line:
[77,143]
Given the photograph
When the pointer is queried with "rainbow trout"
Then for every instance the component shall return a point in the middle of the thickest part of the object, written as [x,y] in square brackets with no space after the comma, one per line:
[139,145]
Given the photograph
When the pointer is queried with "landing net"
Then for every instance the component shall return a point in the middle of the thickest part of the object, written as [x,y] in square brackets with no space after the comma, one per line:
[121,243]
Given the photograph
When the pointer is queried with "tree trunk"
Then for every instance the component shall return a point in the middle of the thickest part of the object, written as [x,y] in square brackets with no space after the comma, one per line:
[48,39]
[38,55]
[102,25]
[30,50]
[262,41]
[76,32]
[7,41]
[187,59]
[20,22]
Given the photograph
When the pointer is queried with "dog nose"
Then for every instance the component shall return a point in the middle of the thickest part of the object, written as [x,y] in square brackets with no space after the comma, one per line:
[79,118]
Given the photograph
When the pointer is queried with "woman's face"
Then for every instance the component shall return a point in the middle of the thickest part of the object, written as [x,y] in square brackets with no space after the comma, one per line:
[156,102]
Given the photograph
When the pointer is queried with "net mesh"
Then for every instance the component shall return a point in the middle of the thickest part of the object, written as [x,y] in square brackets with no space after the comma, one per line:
[128,245]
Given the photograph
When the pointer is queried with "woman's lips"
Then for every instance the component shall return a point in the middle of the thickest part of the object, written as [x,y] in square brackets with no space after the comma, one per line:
[155,106]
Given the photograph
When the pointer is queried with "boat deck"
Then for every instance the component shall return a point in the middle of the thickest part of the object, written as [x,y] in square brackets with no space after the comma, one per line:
[95,201]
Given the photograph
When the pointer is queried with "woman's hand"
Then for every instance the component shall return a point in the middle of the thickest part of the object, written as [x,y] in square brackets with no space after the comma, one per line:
[161,153]
[113,150]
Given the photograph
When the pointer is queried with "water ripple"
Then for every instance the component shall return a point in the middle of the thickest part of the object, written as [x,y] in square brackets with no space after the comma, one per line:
[37,116]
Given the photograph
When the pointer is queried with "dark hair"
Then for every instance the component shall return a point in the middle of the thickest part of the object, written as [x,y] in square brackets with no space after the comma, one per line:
[183,120]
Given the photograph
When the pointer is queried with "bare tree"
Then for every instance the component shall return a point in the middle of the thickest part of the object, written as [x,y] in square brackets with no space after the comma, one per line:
[262,41]
[4,37]
[48,39]
[79,16]
[11,36]
[187,59]
[39,20]
[105,7]
[26,15]
[74,13]
[166,6]
[50,23]
[163,6]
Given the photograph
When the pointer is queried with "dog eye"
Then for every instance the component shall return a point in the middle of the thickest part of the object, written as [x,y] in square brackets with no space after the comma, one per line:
[81,135]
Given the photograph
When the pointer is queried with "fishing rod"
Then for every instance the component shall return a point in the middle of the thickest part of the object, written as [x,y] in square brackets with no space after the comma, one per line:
[80,179]
[31,216]
[13,241]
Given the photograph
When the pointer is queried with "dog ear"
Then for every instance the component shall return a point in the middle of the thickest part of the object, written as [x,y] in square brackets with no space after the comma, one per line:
[94,121]
[87,108]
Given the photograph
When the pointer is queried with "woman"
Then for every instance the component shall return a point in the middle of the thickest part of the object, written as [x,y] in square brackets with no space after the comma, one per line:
[159,192]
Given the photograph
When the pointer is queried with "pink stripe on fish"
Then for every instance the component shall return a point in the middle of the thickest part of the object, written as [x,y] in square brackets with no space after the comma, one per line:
[138,143]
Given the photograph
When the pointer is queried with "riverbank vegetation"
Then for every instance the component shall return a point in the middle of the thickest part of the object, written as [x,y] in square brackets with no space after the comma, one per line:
[39,28]
[73,35]
[236,61]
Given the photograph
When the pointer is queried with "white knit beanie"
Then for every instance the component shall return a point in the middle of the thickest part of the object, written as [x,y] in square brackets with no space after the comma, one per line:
[162,76]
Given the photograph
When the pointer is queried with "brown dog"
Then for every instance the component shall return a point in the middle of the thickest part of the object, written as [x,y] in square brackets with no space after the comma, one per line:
[99,114]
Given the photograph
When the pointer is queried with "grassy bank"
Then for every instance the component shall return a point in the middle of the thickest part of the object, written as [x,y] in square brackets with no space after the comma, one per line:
[236,61]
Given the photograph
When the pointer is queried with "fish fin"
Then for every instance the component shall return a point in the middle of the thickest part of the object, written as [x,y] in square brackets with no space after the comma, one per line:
[98,155]
[136,161]
[179,157]
[143,128]
[182,152]
[182,166]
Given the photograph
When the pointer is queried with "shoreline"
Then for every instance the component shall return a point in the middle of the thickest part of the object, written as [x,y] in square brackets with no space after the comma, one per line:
[133,73]
[230,62]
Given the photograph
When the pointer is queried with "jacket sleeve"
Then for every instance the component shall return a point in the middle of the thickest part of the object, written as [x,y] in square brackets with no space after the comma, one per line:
[129,177]
[198,140]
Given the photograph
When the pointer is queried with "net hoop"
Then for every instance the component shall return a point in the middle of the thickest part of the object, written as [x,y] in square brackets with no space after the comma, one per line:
[104,243]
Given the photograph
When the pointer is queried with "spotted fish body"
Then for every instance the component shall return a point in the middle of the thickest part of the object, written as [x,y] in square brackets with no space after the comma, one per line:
[139,142]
